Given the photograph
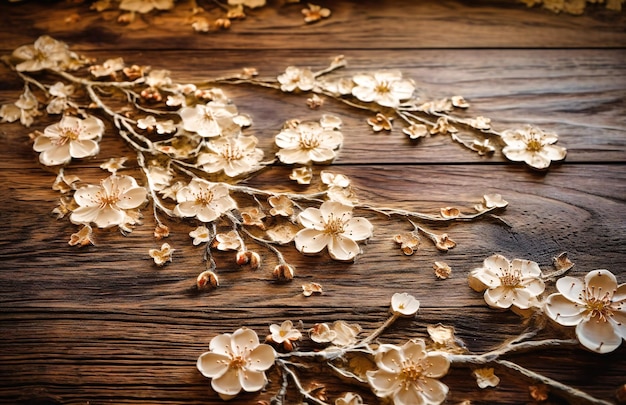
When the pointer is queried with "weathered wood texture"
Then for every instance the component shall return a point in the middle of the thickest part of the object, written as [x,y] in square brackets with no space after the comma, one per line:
[102,324]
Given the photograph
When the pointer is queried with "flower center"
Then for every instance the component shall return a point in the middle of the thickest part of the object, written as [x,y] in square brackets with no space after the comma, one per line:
[68,134]
[511,278]
[309,140]
[383,87]
[410,373]
[105,199]
[334,226]
[204,197]
[533,143]
[237,362]
[599,307]
[230,152]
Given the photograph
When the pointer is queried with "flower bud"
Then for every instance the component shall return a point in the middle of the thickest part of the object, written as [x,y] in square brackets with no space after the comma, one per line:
[284,272]
[242,257]
[255,260]
[207,279]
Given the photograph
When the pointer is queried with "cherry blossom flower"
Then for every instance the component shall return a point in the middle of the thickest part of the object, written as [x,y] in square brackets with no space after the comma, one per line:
[203,200]
[485,377]
[45,53]
[72,137]
[334,179]
[350,398]
[416,131]
[387,88]
[284,334]
[506,284]
[109,203]
[333,226]
[408,242]
[145,6]
[282,233]
[227,241]
[408,374]
[25,109]
[315,13]
[200,235]
[281,205]
[302,175]
[234,156]
[309,289]
[162,255]
[403,304]
[212,119]
[308,141]
[108,68]
[59,101]
[340,334]
[82,237]
[296,78]
[596,306]
[380,122]
[236,361]
[532,146]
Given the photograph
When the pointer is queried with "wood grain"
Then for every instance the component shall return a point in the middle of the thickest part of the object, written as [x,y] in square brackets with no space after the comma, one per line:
[103,325]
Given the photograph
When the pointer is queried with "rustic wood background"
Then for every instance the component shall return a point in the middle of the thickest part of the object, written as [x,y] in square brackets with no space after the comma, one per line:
[103,325]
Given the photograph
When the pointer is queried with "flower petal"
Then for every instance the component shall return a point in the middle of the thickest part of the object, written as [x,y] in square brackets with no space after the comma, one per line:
[227,383]
[571,288]
[84,215]
[342,248]
[564,311]
[437,365]
[499,297]
[243,339]
[389,358]
[434,391]
[358,229]
[252,381]
[132,198]
[598,335]
[83,148]
[109,216]
[383,383]
[529,269]
[221,344]
[212,365]
[409,395]
[554,152]
[311,240]
[600,282]
[262,357]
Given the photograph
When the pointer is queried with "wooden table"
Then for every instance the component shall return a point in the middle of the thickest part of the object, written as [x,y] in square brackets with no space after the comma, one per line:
[103,325]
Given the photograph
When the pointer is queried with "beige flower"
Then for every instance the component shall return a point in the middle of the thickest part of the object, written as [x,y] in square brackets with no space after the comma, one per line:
[252,216]
[532,146]
[296,78]
[234,156]
[203,200]
[506,284]
[281,205]
[227,241]
[60,93]
[408,374]
[408,242]
[200,235]
[350,398]
[106,205]
[284,334]
[72,137]
[145,6]
[210,120]
[82,237]
[283,233]
[25,109]
[315,13]
[302,174]
[309,289]
[596,306]
[403,304]
[45,53]
[387,88]
[334,179]
[108,68]
[380,122]
[485,377]
[333,226]
[416,131]
[235,362]
[162,255]
[308,142]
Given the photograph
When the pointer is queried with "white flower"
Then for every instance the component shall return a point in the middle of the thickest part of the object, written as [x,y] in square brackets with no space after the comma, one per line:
[247,3]
[235,156]
[212,119]
[345,333]
[106,204]
[45,53]
[408,374]
[145,6]
[597,307]
[506,284]
[404,304]
[350,398]
[72,137]
[200,234]
[284,332]
[302,174]
[485,377]
[532,146]
[235,362]
[334,180]
[108,68]
[162,255]
[204,200]
[307,142]
[296,78]
[59,92]
[332,225]
[387,88]
[25,109]
[228,241]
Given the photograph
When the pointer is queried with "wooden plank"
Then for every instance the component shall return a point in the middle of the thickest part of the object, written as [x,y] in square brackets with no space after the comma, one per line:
[398,24]
[578,95]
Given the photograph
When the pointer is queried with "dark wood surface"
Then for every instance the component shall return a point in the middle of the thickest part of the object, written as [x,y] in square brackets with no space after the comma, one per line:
[103,325]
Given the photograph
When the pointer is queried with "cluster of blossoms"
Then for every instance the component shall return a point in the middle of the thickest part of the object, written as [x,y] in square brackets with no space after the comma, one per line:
[596,306]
